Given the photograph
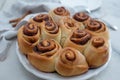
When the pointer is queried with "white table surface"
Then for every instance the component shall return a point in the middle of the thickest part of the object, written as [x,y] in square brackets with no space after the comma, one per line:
[11,69]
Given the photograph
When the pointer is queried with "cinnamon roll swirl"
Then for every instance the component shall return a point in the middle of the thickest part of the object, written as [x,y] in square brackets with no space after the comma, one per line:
[97,28]
[39,19]
[97,52]
[71,62]
[28,36]
[50,30]
[78,39]
[67,25]
[81,17]
[59,13]
[44,55]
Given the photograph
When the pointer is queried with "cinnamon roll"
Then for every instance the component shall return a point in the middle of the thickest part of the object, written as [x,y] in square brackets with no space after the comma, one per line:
[78,39]
[39,19]
[67,25]
[97,52]
[28,36]
[97,28]
[50,30]
[59,13]
[81,17]
[44,55]
[71,62]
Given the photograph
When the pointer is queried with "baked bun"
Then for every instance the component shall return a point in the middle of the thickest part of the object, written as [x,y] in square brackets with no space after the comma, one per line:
[40,18]
[28,36]
[97,28]
[67,25]
[78,39]
[82,17]
[44,55]
[49,30]
[58,13]
[97,52]
[71,62]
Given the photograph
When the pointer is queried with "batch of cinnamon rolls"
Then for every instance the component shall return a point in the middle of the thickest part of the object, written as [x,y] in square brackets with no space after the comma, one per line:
[66,44]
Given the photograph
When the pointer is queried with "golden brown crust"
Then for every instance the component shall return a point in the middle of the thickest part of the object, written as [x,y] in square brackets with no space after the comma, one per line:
[71,62]
[44,55]
[97,28]
[28,37]
[97,52]
[78,39]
